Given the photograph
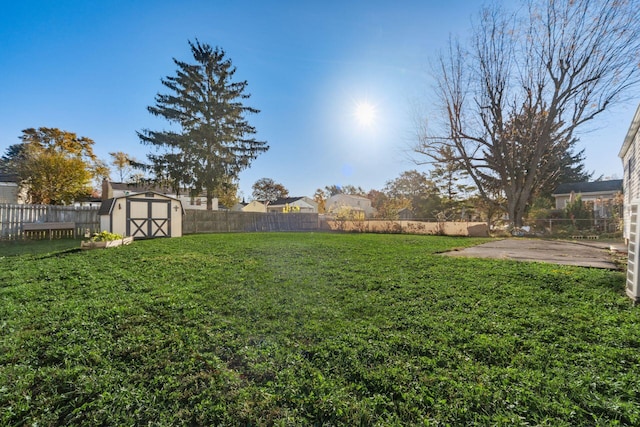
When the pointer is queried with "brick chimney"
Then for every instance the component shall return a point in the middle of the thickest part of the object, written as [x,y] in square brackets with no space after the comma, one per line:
[107,192]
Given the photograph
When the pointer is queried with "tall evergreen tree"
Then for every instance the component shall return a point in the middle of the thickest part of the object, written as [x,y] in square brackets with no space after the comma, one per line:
[10,160]
[213,141]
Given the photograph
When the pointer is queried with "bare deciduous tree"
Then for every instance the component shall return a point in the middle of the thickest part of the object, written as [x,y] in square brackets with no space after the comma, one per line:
[513,100]
[122,162]
[266,189]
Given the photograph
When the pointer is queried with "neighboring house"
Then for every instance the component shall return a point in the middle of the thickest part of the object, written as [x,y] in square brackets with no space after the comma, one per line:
[405,214]
[254,206]
[601,193]
[293,204]
[588,191]
[197,202]
[120,189]
[10,189]
[629,154]
[338,202]
[238,206]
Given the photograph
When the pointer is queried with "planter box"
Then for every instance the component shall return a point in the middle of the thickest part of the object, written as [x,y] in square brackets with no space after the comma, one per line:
[105,245]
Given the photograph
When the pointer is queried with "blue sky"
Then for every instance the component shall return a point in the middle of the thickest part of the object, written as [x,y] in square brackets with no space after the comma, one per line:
[93,67]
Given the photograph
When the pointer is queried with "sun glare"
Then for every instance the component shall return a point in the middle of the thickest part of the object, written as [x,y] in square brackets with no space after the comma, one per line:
[365,114]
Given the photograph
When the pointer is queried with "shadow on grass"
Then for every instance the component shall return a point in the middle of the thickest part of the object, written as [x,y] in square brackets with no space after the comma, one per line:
[38,247]
[58,254]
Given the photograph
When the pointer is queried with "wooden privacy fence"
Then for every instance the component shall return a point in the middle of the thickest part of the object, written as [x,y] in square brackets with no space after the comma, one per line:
[13,217]
[199,221]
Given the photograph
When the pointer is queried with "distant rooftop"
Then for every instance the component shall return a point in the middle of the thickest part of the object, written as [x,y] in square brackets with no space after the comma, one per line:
[589,187]
[137,188]
[9,177]
[142,188]
[285,200]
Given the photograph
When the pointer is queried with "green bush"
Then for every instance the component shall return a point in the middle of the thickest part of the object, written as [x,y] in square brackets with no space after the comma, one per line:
[105,236]
[580,213]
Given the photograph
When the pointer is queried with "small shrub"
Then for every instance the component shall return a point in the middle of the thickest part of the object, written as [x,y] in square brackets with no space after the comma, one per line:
[105,236]
[580,214]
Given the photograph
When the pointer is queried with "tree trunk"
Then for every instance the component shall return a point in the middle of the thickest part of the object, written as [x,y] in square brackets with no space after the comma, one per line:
[517,216]
[516,205]
[209,200]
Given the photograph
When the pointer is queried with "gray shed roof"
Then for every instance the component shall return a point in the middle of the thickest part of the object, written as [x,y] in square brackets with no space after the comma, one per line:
[105,207]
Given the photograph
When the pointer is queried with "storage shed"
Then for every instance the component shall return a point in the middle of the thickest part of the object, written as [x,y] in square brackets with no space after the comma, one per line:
[142,215]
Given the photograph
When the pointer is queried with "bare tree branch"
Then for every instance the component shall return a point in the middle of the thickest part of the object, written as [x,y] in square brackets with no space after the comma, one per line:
[511,100]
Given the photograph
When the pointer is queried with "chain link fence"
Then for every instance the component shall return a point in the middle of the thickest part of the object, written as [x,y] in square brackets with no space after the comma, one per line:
[575,228]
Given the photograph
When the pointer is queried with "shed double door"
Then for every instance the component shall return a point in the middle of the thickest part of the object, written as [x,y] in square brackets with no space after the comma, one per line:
[148,218]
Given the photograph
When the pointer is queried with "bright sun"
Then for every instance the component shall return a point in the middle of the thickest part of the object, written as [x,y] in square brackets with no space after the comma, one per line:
[365,114]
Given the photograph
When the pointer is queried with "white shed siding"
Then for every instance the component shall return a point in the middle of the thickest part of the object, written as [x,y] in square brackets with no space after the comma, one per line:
[105,223]
[143,215]
[119,216]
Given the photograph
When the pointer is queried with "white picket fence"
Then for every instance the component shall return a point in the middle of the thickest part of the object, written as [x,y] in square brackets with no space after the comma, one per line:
[13,216]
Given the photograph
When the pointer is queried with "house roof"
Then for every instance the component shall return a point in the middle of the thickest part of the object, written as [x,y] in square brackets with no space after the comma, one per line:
[352,196]
[135,188]
[90,199]
[9,177]
[285,201]
[612,185]
[631,134]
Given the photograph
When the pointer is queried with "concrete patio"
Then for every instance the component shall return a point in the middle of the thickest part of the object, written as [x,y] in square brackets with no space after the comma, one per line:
[591,253]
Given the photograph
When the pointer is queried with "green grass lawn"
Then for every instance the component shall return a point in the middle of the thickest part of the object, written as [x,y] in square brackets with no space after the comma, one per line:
[311,329]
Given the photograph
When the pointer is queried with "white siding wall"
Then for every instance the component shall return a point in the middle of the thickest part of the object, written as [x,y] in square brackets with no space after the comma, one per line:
[631,165]
[8,192]
[338,201]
